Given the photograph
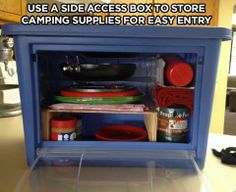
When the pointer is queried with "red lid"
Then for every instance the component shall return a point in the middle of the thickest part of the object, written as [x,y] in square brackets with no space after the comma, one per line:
[63,122]
[179,73]
[121,133]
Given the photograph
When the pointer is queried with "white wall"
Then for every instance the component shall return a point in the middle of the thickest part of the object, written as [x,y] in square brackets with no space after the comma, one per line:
[218,110]
[233,57]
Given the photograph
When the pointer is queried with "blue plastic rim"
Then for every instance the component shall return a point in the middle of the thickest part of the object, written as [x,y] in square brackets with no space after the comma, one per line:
[120,31]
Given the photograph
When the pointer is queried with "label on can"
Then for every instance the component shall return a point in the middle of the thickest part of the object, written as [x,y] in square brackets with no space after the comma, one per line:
[66,136]
[63,128]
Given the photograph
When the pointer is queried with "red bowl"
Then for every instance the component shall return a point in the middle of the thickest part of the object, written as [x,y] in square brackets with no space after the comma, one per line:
[121,133]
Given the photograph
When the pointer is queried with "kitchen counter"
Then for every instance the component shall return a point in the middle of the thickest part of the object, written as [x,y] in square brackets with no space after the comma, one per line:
[221,177]
[12,150]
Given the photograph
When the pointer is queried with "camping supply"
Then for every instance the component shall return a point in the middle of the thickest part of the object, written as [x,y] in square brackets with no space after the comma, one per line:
[173,124]
[63,129]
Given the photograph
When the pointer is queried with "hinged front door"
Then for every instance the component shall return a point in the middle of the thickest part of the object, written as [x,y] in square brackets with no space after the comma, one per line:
[64,170]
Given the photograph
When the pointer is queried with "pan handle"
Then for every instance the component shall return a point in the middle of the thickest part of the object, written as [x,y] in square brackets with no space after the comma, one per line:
[8,86]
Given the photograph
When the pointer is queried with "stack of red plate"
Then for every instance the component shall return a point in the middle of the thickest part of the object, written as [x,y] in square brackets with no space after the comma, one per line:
[100,94]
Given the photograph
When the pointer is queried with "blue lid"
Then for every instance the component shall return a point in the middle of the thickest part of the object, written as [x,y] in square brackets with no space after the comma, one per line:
[118,31]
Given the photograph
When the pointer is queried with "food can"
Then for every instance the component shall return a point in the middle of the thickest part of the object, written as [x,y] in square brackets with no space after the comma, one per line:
[173,124]
[63,129]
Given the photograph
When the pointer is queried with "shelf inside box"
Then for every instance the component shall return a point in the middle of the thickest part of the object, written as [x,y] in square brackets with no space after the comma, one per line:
[148,112]
[150,119]
[149,122]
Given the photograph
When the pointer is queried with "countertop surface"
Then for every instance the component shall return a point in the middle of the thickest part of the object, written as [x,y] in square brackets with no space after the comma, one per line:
[221,178]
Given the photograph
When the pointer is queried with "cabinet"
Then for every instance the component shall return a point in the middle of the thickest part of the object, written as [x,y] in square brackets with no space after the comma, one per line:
[40,50]
[12,10]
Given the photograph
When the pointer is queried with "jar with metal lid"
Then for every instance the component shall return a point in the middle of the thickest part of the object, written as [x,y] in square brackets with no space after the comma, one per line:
[173,124]
[63,129]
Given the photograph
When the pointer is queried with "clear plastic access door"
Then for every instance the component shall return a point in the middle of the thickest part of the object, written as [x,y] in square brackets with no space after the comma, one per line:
[116,171]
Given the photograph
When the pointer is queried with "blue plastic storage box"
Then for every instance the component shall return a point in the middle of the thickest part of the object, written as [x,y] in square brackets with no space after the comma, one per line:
[41,49]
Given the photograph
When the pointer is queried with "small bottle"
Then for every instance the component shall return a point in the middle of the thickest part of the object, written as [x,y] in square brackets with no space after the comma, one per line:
[63,128]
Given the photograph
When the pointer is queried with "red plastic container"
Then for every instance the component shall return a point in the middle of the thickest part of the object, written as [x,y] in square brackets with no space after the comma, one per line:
[177,71]
[121,133]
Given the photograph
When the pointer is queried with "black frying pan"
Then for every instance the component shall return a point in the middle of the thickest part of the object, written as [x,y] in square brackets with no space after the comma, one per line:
[100,72]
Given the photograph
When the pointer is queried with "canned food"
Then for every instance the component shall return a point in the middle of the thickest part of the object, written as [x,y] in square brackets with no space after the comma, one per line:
[63,129]
[173,124]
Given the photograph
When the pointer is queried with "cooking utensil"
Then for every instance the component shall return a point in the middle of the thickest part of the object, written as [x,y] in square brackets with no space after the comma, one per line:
[100,100]
[121,133]
[94,72]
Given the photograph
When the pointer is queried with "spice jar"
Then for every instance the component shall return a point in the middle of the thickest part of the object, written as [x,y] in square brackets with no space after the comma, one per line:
[173,124]
[63,129]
